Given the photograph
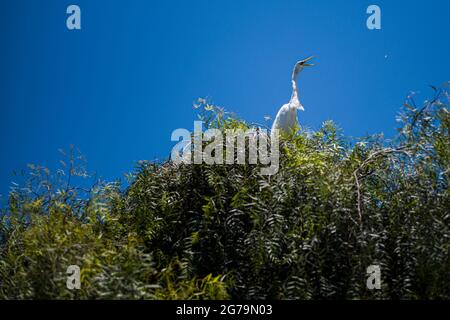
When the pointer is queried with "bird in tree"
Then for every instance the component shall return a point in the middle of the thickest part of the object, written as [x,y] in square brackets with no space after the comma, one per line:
[286,119]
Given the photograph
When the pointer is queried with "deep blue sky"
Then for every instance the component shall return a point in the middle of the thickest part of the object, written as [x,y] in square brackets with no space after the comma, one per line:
[117,88]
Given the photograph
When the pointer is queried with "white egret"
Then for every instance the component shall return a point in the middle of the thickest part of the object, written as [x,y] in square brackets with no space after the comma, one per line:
[286,118]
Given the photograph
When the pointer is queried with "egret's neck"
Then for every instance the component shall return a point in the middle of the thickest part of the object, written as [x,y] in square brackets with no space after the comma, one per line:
[295,97]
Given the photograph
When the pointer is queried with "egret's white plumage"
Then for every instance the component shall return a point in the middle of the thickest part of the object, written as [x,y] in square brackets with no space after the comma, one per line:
[286,119]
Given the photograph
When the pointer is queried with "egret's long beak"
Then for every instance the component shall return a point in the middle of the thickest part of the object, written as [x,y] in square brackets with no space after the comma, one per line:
[308,64]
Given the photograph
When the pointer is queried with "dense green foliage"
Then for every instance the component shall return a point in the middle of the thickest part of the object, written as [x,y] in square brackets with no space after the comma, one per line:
[335,207]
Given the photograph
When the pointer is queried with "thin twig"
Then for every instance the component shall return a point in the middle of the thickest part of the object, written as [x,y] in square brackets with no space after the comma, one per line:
[369,159]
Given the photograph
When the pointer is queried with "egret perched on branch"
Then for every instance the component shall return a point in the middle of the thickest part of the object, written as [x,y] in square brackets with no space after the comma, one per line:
[286,119]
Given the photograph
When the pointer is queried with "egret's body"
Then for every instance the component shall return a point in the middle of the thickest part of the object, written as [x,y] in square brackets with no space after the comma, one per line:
[286,119]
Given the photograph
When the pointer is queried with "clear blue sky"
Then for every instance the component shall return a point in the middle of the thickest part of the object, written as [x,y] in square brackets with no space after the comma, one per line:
[117,88]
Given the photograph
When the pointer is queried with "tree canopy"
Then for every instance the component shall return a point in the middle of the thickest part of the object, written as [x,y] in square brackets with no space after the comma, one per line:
[336,206]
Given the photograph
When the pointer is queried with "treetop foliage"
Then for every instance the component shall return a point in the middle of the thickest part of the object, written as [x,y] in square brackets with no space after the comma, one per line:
[203,231]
